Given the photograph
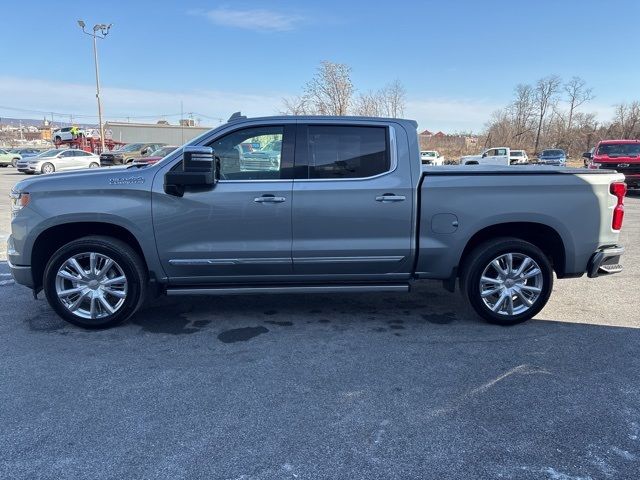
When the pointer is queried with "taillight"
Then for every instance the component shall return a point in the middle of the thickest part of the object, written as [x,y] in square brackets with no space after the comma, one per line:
[619,189]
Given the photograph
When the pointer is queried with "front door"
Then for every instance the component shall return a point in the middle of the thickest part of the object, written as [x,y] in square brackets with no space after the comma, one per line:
[352,214]
[240,229]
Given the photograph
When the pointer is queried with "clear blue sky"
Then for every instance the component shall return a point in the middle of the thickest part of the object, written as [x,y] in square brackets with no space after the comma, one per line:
[459,60]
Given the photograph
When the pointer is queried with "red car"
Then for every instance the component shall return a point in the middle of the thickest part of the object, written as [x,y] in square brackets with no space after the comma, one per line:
[155,156]
[622,156]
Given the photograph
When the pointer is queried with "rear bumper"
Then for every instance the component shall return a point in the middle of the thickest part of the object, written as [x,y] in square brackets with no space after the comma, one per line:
[605,261]
[21,274]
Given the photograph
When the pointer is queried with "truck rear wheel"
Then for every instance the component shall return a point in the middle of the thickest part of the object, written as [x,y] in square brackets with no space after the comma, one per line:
[95,282]
[507,280]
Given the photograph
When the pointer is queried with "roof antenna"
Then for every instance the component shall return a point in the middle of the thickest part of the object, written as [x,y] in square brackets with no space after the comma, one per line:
[236,116]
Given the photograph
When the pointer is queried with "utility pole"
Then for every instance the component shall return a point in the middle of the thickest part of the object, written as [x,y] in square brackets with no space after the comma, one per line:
[104,31]
[181,122]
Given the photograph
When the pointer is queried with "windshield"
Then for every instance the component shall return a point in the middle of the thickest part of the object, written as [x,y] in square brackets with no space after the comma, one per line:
[516,153]
[551,153]
[428,154]
[49,153]
[131,147]
[619,149]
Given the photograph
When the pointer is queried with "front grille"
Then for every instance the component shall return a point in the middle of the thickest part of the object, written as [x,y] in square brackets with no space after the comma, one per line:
[252,164]
[622,167]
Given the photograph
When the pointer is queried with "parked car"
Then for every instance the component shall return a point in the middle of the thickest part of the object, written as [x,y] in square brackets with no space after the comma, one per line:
[518,157]
[58,159]
[586,157]
[64,134]
[431,157]
[620,155]
[27,152]
[358,215]
[9,158]
[156,156]
[490,156]
[552,156]
[266,158]
[128,153]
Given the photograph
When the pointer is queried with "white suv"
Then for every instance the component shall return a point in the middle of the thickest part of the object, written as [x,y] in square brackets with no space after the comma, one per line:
[431,157]
[64,134]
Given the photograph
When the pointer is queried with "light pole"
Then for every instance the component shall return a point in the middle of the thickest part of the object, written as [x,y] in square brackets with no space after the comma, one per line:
[103,28]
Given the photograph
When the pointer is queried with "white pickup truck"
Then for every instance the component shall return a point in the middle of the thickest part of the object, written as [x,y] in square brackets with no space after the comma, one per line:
[490,156]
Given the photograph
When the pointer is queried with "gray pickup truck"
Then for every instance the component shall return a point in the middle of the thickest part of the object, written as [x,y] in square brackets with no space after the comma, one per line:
[347,207]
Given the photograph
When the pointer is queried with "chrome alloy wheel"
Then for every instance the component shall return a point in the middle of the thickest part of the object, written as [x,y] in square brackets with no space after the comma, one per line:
[511,284]
[91,285]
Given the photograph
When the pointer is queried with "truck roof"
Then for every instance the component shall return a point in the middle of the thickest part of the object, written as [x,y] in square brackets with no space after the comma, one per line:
[334,118]
[617,142]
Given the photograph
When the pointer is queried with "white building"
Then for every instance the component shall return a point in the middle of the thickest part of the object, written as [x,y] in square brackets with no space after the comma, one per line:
[152,132]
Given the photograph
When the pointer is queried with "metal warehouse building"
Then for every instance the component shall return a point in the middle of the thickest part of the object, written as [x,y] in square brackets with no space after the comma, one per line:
[150,132]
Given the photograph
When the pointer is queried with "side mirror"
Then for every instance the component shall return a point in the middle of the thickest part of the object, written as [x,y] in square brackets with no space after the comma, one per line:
[199,169]
[484,154]
[587,155]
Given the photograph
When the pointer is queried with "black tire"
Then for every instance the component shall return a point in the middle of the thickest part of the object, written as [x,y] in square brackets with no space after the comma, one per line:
[94,165]
[14,162]
[127,259]
[481,257]
[53,168]
[4,166]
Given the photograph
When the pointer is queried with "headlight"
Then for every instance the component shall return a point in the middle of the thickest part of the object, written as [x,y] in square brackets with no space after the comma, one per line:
[19,200]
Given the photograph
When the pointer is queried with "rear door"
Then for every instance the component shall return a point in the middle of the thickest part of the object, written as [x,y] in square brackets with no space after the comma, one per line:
[353,202]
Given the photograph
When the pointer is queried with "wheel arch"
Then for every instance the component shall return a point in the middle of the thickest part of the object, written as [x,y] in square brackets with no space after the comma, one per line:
[54,237]
[543,236]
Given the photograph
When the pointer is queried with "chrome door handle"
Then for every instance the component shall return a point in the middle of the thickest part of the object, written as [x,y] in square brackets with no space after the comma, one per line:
[390,197]
[269,199]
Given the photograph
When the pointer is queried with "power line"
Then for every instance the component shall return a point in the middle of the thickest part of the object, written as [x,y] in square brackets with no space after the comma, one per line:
[75,115]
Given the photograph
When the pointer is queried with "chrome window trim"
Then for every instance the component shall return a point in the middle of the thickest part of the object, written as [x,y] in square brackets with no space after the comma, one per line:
[393,155]
[168,162]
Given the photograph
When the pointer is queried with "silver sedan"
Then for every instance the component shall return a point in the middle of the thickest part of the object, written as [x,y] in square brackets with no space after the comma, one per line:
[55,160]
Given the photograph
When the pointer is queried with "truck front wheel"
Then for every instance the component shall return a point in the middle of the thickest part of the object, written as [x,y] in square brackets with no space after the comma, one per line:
[95,282]
[507,280]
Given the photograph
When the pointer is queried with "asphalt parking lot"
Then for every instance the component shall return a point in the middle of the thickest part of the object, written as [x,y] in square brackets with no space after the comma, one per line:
[358,387]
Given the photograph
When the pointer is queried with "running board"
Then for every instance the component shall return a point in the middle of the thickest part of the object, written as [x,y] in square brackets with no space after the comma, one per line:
[404,287]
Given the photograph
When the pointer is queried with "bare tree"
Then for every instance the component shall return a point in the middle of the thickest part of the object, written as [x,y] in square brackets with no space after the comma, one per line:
[329,92]
[393,97]
[626,120]
[545,96]
[577,94]
[295,105]
[522,111]
[386,102]
[368,105]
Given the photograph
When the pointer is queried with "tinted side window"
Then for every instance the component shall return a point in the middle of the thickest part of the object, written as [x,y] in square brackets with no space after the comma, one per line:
[347,151]
[268,159]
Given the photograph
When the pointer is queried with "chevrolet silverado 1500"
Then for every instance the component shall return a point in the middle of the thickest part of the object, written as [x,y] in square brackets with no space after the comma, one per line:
[345,207]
